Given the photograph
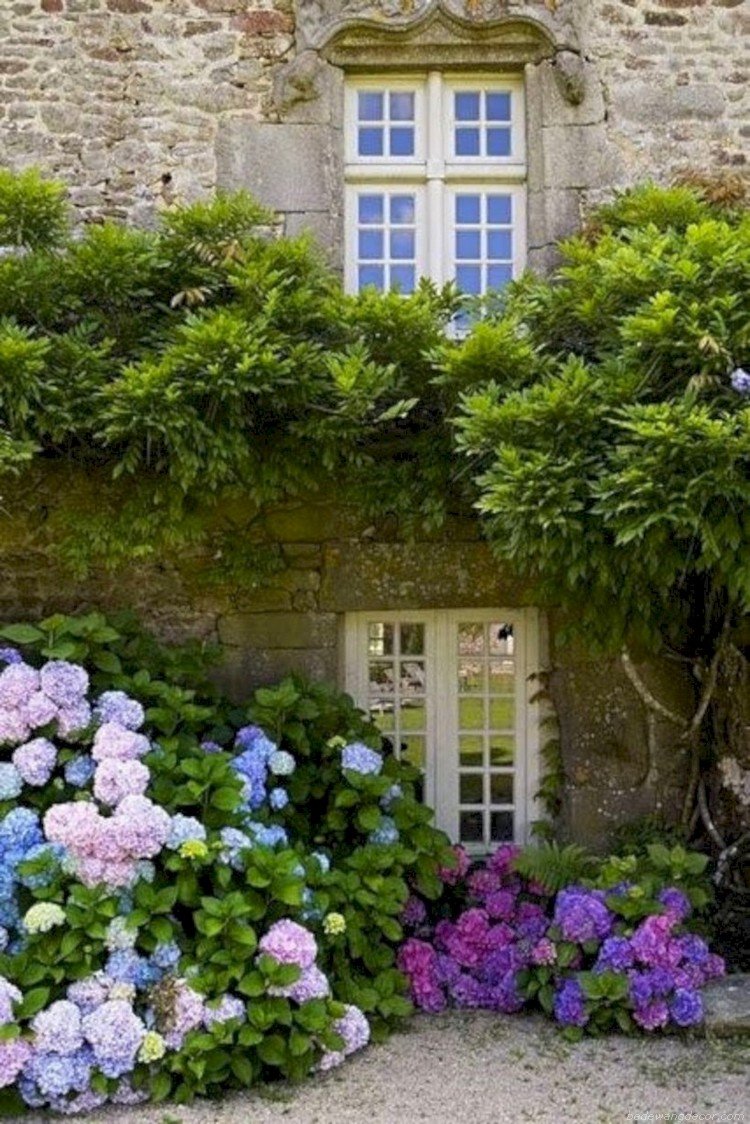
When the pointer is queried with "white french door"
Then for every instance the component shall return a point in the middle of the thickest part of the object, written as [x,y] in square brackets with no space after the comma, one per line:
[450,690]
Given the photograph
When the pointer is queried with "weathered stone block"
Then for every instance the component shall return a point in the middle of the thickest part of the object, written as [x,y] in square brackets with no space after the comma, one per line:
[726,1003]
[559,110]
[278,630]
[648,103]
[246,670]
[579,156]
[284,166]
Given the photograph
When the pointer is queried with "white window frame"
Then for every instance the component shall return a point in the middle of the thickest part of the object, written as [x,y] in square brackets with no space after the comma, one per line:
[441,777]
[434,173]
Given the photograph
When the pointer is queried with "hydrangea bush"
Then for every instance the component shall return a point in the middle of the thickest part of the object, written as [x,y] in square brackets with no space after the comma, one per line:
[592,958]
[169,923]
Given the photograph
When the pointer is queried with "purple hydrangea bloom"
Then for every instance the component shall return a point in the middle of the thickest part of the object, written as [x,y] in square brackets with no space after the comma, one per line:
[126,966]
[582,915]
[14,1055]
[17,683]
[230,1007]
[361,759]
[35,761]
[570,1004]
[115,1034]
[312,984]
[740,380]
[58,1028]
[651,1016]
[414,912]
[56,1075]
[686,1007]
[676,903]
[9,994]
[615,955]
[10,655]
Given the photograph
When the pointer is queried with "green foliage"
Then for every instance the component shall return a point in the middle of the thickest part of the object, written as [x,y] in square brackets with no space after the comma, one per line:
[33,212]
[210,359]
[612,458]
[656,867]
[554,866]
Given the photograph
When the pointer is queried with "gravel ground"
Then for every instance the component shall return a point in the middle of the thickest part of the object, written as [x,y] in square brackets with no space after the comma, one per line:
[478,1068]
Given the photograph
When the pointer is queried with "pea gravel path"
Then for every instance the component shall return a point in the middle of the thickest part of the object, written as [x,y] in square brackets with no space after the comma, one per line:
[479,1068]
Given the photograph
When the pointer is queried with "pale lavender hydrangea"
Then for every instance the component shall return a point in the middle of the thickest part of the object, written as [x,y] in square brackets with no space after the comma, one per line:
[184,828]
[355,1031]
[13,726]
[281,763]
[120,935]
[278,798]
[18,682]
[35,761]
[14,1055]
[90,993]
[57,1030]
[10,655]
[72,720]
[229,1007]
[740,380]
[39,710]
[312,984]
[119,708]
[65,683]
[115,779]
[56,1075]
[115,1034]
[289,943]
[9,994]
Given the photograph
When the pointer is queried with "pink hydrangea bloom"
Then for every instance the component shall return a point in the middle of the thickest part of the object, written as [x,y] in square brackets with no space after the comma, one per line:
[35,761]
[14,1054]
[112,740]
[18,682]
[39,710]
[114,780]
[289,943]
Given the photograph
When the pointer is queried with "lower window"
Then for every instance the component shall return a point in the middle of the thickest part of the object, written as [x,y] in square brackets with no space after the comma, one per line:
[450,691]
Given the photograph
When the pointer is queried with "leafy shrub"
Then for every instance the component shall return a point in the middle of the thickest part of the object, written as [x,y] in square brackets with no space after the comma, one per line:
[170,924]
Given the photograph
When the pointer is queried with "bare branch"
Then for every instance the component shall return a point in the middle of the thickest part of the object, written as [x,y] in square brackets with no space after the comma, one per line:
[649,701]
[705,815]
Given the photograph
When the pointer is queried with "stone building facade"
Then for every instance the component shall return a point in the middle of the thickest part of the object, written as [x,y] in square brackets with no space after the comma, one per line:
[141,105]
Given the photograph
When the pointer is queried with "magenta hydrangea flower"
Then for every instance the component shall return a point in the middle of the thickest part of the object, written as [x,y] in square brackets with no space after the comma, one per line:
[289,943]
[451,875]
[651,1016]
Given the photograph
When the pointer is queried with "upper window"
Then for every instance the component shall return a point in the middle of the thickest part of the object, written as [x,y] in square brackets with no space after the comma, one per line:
[435,171]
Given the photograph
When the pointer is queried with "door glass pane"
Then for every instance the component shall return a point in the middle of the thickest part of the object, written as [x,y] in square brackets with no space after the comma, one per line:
[501,638]
[412,677]
[471,788]
[501,788]
[380,638]
[471,827]
[470,677]
[501,827]
[471,750]
[412,714]
[470,639]
[414,750]
[381,677]
[502,677]
[412,639]
[381,712]
[502,713]
[502,750]
[471,713]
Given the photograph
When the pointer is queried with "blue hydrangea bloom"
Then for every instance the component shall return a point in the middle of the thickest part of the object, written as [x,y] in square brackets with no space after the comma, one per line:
[267,835]
[385,833]
[360,758]
[278,798]
[79,770]
[184,828]
[10,781]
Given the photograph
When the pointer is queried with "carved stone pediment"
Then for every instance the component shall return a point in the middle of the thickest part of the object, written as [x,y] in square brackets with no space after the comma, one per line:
[452,32]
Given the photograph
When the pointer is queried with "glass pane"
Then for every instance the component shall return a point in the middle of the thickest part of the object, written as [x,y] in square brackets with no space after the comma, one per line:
[468,209]
[402,209]
[502,750]
[469,244]
[371,275]
[499,208]
[402,142]
[470,639]
[501,788]
[500,245]
[498,142]
[370,142]
[412,677]
[471,750]
[503,713]
[467,142]
[382,714]
[471,788]
[498,276]
[370,244]
[403,278]
[370,105]
[402,106]
[381,677]
[502,677]
[412,639]
[501,827]
[470,676]
[402,244]
[469,279]
[467,107]
[370,209]
[413,750]
[412,715]
[501,639]
[497,107]
[471,714]
[471,827]
[380,637]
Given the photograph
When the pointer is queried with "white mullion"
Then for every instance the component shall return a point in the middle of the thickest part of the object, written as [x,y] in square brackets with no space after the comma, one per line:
[435,176]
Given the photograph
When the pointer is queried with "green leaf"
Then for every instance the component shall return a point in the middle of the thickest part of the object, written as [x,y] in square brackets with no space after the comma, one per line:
[21,633]
[272,1050]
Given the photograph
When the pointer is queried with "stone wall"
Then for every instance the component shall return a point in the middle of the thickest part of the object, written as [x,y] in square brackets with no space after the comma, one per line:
[139,104]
